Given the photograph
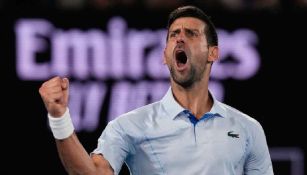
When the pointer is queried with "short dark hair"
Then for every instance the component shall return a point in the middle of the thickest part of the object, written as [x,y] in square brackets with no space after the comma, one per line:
[192,11]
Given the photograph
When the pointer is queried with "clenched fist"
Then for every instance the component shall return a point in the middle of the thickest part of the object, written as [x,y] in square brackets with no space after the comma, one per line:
[54,93]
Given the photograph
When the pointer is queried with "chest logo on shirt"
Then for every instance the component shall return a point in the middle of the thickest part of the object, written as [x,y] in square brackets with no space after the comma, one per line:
[233,135]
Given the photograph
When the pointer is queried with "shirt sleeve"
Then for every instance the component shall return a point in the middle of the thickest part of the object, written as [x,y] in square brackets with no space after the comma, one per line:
[113,145]
[258,160]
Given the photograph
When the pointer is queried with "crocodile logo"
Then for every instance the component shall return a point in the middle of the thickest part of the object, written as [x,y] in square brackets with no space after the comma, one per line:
[231,134]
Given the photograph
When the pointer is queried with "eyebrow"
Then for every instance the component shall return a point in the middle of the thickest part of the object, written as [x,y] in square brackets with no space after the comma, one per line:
[177,30]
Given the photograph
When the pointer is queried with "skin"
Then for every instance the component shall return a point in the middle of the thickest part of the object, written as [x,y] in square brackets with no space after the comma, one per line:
[189,84]
[187,34]
[74,157]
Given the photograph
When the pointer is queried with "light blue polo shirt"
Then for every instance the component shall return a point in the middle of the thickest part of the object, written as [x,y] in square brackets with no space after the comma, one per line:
[164,138]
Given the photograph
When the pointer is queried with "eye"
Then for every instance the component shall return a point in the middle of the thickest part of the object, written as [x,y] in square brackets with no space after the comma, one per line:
[191,33]
[173,34]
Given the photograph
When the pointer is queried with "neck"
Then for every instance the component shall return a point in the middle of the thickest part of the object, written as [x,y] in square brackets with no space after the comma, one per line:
[196,98]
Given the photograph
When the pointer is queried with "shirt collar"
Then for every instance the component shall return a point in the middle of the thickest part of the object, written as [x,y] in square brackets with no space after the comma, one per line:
[217,107]
[173,108]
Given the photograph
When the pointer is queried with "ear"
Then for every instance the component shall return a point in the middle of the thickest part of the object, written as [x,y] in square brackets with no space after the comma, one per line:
[164,57]
[213,53]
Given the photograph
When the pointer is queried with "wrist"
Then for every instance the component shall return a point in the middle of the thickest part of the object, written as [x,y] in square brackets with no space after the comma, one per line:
[61,127]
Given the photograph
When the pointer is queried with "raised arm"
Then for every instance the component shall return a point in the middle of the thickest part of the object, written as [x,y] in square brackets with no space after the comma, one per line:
[74,157]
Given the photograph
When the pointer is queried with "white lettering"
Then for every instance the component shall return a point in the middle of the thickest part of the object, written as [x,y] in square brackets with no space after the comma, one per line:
[85,104]
[131,59]
[154,63]
[127,96]
[240,47]
[118,59]
[29,42]
[132,54]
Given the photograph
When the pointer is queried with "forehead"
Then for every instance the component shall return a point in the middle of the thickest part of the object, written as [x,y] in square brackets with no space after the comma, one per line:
[188,22]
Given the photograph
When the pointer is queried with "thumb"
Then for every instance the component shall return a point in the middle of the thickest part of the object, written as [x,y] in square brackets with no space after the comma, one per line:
[65,88]
[65,83]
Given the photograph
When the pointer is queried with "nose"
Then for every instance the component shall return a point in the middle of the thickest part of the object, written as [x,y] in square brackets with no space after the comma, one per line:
[180,38]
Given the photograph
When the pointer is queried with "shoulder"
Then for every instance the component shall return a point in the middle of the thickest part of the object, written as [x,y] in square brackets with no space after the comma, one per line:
[249,126]
[138,118]
[142,113]
[244,119]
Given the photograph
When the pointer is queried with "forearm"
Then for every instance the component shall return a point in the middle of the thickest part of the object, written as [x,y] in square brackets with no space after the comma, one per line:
[74,157]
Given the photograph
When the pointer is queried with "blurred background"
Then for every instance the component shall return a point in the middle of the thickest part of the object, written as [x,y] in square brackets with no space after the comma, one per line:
[111,50]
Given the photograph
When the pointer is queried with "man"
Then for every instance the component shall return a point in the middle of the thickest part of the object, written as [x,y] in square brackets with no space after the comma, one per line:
[187,132]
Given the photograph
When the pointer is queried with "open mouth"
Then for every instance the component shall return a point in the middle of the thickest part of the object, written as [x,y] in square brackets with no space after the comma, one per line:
[181,58]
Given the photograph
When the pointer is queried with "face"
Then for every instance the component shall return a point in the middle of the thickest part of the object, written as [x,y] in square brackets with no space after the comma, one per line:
[186,52]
